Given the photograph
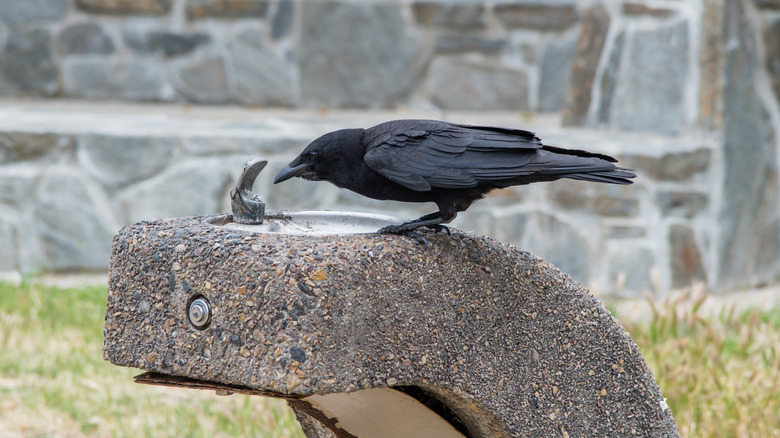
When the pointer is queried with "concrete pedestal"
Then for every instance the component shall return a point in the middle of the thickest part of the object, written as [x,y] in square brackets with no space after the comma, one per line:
[491,339]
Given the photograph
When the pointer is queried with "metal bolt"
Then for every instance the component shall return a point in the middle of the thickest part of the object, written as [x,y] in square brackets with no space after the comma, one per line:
[200,313]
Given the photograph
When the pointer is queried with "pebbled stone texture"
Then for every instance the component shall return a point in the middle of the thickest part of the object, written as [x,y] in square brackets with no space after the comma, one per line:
[512,344]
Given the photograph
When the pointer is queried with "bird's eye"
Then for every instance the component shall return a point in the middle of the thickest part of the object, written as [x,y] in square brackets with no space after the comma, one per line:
[312,155]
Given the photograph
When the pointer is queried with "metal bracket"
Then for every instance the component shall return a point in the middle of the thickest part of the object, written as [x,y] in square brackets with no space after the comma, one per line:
[248,207]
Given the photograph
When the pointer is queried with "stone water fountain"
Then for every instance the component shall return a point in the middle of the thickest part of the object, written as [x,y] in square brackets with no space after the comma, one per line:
[368,335]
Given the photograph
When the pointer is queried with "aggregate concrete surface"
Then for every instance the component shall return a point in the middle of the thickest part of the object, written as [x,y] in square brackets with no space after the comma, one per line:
[510,343]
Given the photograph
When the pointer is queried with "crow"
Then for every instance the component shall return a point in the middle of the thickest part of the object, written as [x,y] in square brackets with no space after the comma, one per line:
[449,164]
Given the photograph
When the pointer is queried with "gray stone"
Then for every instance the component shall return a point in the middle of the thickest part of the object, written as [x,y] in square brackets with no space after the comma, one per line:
[17,190]
[681,204]
[22,12]
[84,39]
[624,232]
[749,242]
[616,200]
[685,257]
[261,76]
[510,228]
[593,35]
[450,15]
[675,166]
[120,160]
[460,84]
[641,9]
[338,63]
[114,79]
[26,64]
[298,195]
[198,9]
[125,7]
[482,221]
[553,240]
[537,15]
[555,74]
[9,242]
[72,234]
[604,199]
[282,21]
[19,242]
[166,43]
[205,81]
[609,79]
[460,319]
[649,94]
[29,146]
[194,187]
[772,47]
[630,269]
[529,52]
[711,66]
[448,44]
[248,146]
[768,4]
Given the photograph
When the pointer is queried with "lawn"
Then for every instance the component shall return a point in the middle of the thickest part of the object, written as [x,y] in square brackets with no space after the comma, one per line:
[720,373]
[54,382]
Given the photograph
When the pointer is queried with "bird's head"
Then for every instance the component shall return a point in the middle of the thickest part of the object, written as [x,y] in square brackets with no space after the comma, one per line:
[322,157]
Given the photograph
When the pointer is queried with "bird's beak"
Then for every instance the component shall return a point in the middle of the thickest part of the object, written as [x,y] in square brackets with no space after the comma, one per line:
[289,172]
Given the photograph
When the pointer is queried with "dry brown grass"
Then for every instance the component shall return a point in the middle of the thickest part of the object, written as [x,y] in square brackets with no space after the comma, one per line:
[720,371]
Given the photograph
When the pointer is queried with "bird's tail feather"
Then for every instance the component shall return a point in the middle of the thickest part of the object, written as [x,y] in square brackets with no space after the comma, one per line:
[619,175]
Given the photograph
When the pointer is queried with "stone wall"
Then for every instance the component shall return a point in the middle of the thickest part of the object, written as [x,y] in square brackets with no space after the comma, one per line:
[683,91]
[283,53]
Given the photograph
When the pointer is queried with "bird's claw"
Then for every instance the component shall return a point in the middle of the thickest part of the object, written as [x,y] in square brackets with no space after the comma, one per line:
[418,237]
[438,228]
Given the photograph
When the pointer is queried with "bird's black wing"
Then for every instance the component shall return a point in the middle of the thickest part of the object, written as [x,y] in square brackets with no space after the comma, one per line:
[425,154]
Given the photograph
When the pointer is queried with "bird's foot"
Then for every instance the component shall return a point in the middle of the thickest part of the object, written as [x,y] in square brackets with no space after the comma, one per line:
[399,229]
[406,230]
[391,229]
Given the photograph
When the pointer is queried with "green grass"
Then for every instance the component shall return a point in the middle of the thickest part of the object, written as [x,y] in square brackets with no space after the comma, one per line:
[720,373]
[54,381]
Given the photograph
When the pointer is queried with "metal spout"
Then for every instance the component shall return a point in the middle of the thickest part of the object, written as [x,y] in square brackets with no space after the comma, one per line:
[248,207]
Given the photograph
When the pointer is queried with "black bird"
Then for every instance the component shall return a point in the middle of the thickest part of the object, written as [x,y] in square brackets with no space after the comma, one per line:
[450,164]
